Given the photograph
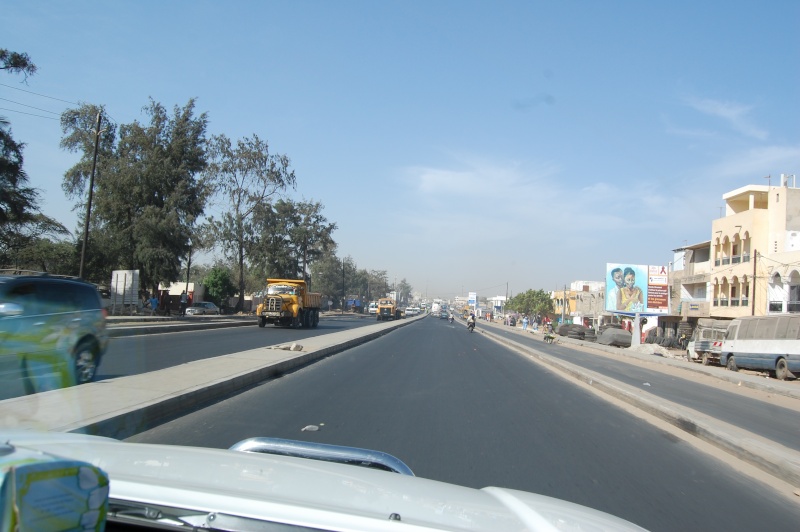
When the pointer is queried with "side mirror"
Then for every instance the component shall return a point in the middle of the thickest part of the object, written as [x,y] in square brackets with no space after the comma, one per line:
[8,310]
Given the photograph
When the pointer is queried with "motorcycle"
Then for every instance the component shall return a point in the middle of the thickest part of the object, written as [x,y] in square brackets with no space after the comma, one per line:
[450,319]
[471,326]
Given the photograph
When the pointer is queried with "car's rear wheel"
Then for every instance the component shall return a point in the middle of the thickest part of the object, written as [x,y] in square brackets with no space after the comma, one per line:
[731,364]
[85,362]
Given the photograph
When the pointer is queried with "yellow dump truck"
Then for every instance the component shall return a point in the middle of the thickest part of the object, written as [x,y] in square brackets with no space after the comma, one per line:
[388,310]
[287,302]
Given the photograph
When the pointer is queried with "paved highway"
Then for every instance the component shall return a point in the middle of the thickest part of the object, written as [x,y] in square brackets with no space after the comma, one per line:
[459,408]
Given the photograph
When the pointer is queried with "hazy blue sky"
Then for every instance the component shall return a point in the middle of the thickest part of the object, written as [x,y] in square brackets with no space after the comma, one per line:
[461,145]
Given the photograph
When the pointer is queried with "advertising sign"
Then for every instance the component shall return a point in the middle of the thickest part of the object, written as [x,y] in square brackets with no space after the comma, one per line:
[632,288]
[473,299]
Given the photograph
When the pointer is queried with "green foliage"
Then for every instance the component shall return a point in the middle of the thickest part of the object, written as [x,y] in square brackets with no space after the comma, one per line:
[337,278]
[148,192]
[219,285]
[292,235]
[16,63]
[245,176]
[531,302]
[22,226]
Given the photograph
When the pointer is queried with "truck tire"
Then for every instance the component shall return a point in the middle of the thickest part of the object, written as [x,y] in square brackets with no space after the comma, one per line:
[315,319]
[262,321]
[706,361]
[306,319]
[731,364]
[295,322]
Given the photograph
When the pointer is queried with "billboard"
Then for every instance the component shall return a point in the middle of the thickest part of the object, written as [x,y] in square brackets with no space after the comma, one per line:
[632,288]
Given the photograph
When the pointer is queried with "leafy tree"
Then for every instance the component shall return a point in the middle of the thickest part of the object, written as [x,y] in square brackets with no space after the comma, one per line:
[149,189]
[403,291]
[16,63]
[292,236]
[21,225]
[246,176]
[531,302]
[219,285]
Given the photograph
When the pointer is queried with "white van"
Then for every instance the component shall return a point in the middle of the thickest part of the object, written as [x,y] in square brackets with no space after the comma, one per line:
[767,343]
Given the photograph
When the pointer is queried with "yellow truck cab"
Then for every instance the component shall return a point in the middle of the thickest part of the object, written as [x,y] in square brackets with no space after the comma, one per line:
[388,310]
[287,302]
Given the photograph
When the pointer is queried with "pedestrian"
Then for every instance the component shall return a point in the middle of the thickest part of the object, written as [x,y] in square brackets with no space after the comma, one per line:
[153,304]
[165,303]
[184,302]
[525,322]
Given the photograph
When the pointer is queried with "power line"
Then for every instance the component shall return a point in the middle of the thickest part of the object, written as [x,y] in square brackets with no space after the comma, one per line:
[32,107]
[31,114]
[37,94]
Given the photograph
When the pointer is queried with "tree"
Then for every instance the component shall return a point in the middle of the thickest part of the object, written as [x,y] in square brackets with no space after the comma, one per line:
[246,176]
[149,189]
[16,63]
[21,223]
[403,291]
[290,237]
[531,302]
[219,285]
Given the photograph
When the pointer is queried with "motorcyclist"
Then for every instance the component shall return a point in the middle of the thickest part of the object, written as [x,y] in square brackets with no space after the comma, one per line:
[471,320]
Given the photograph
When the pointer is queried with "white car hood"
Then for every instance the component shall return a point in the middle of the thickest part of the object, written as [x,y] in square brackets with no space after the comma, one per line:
[307,492]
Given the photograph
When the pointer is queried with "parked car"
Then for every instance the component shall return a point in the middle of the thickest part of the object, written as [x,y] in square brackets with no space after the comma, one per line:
[52,329]
[202,308]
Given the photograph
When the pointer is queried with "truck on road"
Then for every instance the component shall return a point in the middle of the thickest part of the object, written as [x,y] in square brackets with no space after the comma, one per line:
[289,303]
[388,309]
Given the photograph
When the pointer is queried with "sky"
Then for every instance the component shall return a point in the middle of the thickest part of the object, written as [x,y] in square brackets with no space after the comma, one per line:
[492,147]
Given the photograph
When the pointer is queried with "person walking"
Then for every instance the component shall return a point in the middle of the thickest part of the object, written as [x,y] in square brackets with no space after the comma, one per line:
[184,302]
[525,322]
[153,304]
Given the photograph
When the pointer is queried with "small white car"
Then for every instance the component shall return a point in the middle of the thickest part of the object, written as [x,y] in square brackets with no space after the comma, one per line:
[202,308]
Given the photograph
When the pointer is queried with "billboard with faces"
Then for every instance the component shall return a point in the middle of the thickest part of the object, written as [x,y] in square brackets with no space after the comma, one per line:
[637,288]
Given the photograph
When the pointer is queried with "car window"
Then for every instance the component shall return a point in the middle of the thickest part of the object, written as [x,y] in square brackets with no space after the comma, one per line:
[23,294]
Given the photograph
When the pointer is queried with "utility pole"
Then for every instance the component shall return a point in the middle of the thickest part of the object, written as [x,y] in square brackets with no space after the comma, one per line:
[91,191]
[753,296]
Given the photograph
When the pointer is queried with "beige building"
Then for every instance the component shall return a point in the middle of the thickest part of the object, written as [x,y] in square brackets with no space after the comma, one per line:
[751,265]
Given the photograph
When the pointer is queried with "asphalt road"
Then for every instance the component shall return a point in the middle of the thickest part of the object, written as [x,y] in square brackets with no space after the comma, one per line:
[459,408]
[771,421]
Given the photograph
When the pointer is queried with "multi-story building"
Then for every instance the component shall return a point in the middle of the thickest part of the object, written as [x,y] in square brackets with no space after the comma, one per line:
[751,265]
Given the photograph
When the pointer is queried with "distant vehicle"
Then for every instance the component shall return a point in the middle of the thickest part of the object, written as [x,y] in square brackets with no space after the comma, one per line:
[413,311]
[444,315]
[373,308]
[52,328]
[202,308]
[767,343]
[705,344]
[388,309]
